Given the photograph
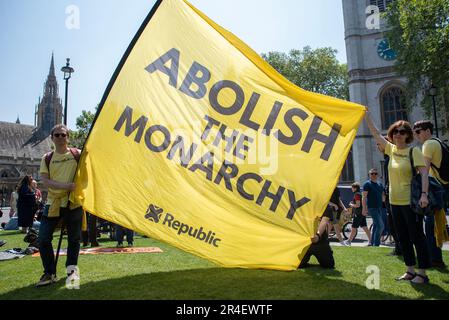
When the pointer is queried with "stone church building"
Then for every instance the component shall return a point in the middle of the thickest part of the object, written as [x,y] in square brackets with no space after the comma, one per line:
[372,83]
[22,146]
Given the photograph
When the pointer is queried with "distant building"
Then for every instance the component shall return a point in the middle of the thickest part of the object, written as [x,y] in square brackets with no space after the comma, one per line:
[22,146]
[372,82]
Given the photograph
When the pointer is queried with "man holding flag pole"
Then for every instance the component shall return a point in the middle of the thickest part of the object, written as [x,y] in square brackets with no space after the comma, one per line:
[57,171]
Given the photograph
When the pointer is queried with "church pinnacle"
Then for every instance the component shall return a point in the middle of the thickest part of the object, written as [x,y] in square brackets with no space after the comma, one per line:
[52,67]
[49,110]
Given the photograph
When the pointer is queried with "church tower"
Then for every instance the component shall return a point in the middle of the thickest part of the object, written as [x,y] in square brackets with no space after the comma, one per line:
[49,109]
[373,81]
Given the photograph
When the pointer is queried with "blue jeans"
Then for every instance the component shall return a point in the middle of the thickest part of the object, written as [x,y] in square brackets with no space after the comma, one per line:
[378,225]
[121,232]
[72,220]
[385,221]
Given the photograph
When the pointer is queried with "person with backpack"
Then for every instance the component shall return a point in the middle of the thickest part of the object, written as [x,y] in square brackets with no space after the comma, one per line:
[409,225]
[436,158]
[57,171]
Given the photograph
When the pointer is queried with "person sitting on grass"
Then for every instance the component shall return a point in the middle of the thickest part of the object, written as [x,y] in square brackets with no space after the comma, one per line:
[320,247]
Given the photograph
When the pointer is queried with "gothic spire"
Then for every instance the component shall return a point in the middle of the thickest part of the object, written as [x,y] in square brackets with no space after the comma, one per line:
[52,67]
[49,110]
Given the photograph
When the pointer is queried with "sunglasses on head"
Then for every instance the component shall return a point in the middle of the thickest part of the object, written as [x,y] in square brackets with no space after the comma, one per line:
[402,132]
[57,135]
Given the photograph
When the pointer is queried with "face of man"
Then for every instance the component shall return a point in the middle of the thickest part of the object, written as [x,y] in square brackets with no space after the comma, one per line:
[60,137]
[373,175]
[421,135]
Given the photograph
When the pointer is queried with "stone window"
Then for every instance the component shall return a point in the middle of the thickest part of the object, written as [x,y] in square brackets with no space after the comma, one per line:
[381,4]
[393,106]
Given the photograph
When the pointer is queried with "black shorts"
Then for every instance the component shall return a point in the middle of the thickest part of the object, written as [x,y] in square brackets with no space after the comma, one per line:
[335,216]
[359,221]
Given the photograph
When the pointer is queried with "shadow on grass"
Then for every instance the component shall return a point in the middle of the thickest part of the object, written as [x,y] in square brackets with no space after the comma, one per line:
[216,283]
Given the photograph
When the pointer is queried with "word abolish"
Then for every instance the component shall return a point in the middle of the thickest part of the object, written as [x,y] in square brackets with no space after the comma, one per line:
[187,156]
[194,85]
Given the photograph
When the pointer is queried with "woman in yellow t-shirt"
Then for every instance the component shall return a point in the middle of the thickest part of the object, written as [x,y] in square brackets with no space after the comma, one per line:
[409,225]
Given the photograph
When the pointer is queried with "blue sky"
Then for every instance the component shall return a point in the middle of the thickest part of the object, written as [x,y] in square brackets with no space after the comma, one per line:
[30,30]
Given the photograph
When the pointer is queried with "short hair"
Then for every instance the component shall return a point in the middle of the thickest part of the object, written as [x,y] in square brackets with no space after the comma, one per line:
[59,126]
[356,185]
[401,123]
[423,125]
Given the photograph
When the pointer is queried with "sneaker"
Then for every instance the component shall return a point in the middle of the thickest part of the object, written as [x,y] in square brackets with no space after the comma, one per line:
[343,243]
[2,242]
[119,245]
[347,242]
[130,244]
[46,280]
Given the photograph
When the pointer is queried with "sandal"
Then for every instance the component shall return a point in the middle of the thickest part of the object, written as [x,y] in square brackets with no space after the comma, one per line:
[425,279]
[407,276]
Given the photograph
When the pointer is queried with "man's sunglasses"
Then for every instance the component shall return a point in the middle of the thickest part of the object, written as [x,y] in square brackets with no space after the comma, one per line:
[57,135]
[402,132]
[373,173]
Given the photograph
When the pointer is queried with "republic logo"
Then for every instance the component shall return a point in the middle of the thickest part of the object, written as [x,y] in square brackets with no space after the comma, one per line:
[154,213]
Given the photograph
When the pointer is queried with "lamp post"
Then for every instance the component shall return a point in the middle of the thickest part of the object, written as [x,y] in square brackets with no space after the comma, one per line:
[67,74]
[433,92]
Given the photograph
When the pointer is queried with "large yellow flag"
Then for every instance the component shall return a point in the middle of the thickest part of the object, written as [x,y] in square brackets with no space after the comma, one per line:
[200,143]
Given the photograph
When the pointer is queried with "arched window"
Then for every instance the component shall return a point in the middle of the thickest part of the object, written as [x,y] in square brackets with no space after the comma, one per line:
[393,106]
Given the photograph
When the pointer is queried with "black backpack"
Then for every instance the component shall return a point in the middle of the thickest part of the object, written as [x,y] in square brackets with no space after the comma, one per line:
[443,170]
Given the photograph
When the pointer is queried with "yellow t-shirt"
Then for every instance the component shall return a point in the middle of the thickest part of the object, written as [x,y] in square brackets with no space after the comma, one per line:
[400,172]
[431,149]
[62,169]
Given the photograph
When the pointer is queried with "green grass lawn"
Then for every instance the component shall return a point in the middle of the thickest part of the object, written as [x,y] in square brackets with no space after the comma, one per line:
[175,274]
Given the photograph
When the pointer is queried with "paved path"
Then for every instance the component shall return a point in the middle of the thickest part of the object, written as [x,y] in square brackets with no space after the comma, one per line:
[362,240]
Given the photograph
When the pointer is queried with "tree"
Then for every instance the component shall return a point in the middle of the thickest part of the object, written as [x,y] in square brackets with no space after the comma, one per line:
[83,125]
[314,70]
[419,33]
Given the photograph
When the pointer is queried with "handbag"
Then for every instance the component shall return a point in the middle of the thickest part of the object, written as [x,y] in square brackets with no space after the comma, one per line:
[435,194]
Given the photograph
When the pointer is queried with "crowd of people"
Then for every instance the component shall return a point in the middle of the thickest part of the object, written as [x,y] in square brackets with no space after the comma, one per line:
[390,205]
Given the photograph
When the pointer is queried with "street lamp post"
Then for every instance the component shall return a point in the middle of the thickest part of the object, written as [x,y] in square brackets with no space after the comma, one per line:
[433,92]
[67,74]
